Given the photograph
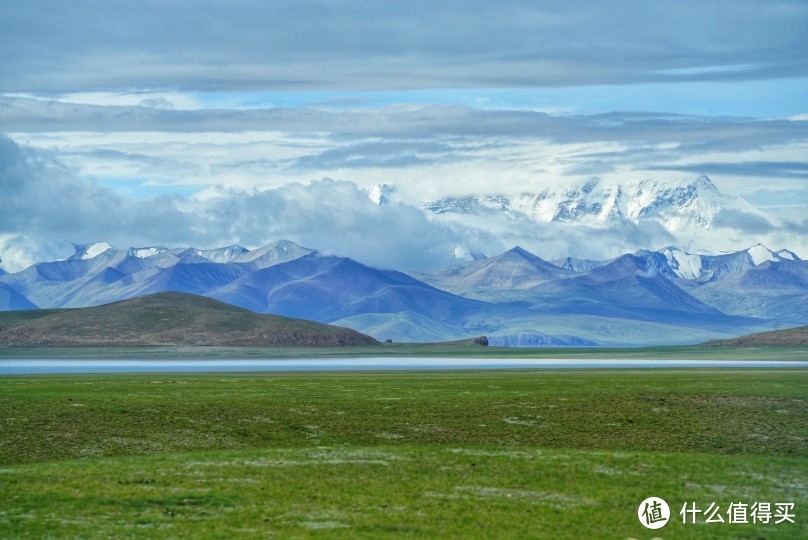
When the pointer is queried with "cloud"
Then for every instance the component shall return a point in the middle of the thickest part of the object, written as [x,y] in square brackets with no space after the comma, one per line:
[384,154]
[317,44]
[414,122]
[44,199]
[46,205]
[429,150]
[742,222]
[335,217]
[772,169]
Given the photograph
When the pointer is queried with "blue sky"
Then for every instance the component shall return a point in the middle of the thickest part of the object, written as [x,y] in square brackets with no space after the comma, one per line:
[778,98]
[195,101]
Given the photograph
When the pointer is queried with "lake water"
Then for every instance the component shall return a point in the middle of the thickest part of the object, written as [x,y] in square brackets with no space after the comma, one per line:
[34,367]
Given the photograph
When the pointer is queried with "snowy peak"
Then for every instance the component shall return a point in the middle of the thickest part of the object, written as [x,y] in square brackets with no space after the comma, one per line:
[760,254]
[272,254]
[280,251]
[146,252]
[715,267]
[676,205]
[788,255]
[685,265]
[381,194]
[90,251]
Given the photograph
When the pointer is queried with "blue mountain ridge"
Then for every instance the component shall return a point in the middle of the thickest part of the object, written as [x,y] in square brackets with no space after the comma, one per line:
[516,298]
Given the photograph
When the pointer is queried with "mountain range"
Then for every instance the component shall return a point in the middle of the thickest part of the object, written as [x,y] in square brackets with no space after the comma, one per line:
[516,298]
[678,206]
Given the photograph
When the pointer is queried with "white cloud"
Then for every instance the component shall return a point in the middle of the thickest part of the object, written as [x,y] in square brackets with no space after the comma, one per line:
[46,206]
[429,151]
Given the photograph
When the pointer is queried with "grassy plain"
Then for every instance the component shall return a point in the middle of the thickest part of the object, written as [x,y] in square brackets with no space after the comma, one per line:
[516,454]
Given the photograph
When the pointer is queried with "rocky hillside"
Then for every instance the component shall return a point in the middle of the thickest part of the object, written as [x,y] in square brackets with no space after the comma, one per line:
[167,319]
[790,337]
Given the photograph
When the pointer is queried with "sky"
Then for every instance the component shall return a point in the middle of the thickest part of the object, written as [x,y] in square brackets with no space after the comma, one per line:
[210,123]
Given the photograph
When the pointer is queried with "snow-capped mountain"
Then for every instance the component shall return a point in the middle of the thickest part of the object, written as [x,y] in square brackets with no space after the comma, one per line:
[381,194]
[90,251]
[515,298]
[714,267]
[98,273]
[676,205]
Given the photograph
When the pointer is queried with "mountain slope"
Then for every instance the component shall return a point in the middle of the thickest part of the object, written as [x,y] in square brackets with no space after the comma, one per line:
[647,297]
[98,274]
[330,288]
[630,287]
[12,300]
[705,268]
[676,205]
[169,319]
[789,337]
[776,290]
[516,269]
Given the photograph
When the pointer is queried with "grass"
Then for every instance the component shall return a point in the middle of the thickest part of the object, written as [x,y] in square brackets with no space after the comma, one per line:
[386,492]
[517,454]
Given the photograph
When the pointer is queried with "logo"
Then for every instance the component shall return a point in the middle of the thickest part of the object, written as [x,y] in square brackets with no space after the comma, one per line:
[653,513]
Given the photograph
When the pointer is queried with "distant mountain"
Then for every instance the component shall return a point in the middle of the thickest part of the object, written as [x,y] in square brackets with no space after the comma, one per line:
[711,267]
[331,288]
[98,274]
[382,194]
[628,287]
[790,337]
[578,265]
[669,288]
[515,298]
[676,205]
[516,269]
[12,300]
[168,319]
[774,290]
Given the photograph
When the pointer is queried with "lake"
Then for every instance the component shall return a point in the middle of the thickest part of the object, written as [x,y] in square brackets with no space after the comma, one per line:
[50,366]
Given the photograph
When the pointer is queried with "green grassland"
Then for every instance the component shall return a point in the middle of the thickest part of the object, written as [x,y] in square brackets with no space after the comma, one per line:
[516,454]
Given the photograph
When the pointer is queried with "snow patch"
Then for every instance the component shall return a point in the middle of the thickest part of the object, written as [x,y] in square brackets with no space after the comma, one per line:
[462,252]
[786,254]
[380,194]
[145,253]
[761,254]
[685,265]
[95,250]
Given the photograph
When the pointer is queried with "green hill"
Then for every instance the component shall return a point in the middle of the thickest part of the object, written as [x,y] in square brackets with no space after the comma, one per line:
[166,319]
[788,337]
